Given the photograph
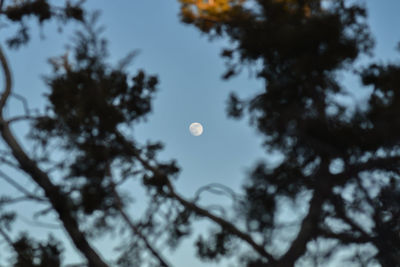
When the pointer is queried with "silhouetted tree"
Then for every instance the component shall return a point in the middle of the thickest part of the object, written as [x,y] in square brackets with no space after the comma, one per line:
[339,167]
[346,161]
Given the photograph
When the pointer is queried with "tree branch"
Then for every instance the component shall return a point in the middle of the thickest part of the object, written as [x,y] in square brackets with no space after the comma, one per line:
[137,232]
[193,207]
[8,81]
[59,201]
[309,228]
[344,237]
[19,118]
[223,223]
[339,206]
[21,188]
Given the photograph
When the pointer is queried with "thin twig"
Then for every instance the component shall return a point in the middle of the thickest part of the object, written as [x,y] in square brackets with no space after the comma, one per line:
[20,188]
[19,118]
[217,189]
[15,200]
[39,224]
[8,162]
[23,101]
[137,231]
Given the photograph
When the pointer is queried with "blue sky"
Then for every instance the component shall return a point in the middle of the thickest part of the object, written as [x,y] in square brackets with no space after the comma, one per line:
[189,68]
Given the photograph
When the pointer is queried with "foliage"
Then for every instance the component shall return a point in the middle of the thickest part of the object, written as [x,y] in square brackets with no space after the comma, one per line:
[33,254]
[337,166]
[301,47]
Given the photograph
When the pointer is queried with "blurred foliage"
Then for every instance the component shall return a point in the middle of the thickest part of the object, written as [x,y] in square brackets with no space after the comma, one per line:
[298,49]
[34,254]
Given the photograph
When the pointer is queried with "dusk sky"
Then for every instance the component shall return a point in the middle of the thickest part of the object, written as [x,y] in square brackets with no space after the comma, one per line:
[189,68]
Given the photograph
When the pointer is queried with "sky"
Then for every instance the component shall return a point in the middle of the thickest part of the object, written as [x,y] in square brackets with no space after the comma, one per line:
[189,68]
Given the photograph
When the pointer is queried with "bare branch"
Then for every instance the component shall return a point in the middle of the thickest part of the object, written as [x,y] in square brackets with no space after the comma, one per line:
[9,162]
[23,101]
[345,237]
[137,231]
[19,118]
[388,163]
[76,265]
[15,200]
[8,81]
[341,213]
[39,224]
[215,188]
[20,188]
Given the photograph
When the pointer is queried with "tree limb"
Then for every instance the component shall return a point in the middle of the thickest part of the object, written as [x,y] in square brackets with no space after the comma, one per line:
[309,226]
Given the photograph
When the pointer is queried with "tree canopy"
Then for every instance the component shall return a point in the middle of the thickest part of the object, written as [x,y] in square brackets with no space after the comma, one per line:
[298,48]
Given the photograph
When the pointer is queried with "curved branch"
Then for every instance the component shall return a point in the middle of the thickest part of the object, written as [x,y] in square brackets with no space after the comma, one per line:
[223,223]
[217,189]
[8,81]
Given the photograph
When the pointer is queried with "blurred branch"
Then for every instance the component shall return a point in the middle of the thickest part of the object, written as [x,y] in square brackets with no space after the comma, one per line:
[23,101]
[309,228]
[8,81]
[137,231]
[388,163]
[344,237]
[217,189]
[76,265]
[39,224]
[19,118]
[20,188]
[339,206]
[220,221]
[15,200]
[4,160]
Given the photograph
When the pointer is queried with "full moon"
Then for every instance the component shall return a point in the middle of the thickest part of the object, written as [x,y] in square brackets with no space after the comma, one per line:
[196,129]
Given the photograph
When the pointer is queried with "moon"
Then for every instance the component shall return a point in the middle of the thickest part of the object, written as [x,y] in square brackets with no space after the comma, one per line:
[196,129]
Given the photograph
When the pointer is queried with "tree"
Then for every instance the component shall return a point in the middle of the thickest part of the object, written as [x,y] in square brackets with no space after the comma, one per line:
[301,46]
[298,47]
